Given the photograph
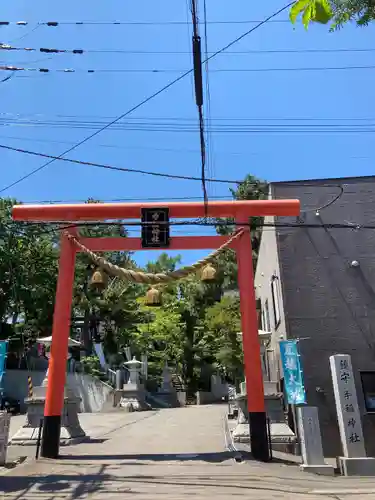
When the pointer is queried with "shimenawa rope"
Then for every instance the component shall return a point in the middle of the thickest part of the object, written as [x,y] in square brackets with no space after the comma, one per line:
[151,278]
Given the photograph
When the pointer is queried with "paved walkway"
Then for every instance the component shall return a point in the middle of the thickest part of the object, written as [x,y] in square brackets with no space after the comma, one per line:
[172,454]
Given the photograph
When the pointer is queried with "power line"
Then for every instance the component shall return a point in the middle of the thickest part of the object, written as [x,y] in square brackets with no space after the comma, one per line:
[183,71]
[187,198]
[173,176]
[186,124]
[149,98]
[112,167]
[80,51]
[167,150]
[6,116]
[198,91]
[209,139]
[55,24]
[118,200]
[25,35]
[6,78]
[139,148]
[204,223]
[253,128]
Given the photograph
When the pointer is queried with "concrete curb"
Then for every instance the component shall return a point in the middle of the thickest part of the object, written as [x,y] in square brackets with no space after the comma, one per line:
[238,455]
[63,443]
[9,466]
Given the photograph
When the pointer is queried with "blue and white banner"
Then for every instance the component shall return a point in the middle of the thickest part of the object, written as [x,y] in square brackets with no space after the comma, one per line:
[3,356]
[293,375]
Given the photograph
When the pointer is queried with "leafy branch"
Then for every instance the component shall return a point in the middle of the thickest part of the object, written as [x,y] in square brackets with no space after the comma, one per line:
[338,12]
[318,11]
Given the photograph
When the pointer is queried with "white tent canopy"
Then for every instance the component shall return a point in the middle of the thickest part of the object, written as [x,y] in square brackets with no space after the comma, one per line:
[262,334]
[48,340]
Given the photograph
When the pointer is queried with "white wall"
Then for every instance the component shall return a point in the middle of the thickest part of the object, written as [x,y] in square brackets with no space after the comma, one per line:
[267,266]
[219,388]
[93,392]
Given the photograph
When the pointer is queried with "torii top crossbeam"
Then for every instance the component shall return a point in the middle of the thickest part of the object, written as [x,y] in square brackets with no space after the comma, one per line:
[107,211]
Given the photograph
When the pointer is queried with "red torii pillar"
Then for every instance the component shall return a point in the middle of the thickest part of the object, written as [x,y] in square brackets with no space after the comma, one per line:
[239,210]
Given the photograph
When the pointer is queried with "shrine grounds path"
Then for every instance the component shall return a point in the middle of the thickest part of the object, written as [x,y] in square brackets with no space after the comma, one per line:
[168,454]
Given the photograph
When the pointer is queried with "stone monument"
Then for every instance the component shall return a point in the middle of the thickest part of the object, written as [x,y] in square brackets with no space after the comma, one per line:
[311,441]
[167,392]
[132,397]
[144,370]
[71,430]
[4,436]
[167,385]
[354,461]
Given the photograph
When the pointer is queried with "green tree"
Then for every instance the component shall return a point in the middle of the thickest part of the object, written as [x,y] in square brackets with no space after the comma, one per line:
[222,324]
[338,12]
[163,264]
[160,337]
[116,308]
[120,315]
[251,188]
[194,296]
[28,270]
[173,332]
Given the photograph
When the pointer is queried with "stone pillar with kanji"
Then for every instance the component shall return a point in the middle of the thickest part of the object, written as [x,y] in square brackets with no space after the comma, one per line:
[354,461]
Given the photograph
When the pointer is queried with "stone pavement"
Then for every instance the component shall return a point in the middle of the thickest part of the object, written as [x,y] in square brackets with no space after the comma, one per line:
[172,453]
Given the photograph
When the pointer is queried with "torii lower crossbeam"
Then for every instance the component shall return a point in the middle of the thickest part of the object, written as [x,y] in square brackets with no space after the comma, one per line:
[239,210]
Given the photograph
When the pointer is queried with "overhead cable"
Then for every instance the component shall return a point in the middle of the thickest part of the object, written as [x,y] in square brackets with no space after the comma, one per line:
[203,223]
[147,199]
[10,116]
[55,24]
[118,200]
[181,177]
[143,148]
[184,72]
[149,98]
[209,141]
[80,51]
[198,91]
[176,127]
[112,167]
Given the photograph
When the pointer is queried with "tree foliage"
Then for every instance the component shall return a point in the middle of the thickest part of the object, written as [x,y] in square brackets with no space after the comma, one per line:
[251,188]
[222,324]
[28,271]
[336,12]
[116,308]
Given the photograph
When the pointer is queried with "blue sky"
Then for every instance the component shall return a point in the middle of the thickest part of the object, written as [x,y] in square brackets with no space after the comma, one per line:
[237,98]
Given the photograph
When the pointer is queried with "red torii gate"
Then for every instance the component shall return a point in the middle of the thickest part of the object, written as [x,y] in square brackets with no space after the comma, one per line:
[239,210]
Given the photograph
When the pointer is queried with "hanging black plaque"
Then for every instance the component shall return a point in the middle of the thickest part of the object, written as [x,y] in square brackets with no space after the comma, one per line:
[155,227]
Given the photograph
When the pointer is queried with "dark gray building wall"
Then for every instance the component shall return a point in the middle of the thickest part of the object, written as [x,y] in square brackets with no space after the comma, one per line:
[328,304]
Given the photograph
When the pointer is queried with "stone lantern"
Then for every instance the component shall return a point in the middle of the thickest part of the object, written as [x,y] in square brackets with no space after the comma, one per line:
[132,397]
[134,366]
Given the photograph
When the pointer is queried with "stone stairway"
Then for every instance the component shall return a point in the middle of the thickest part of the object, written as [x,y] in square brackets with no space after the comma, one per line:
[177,382]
